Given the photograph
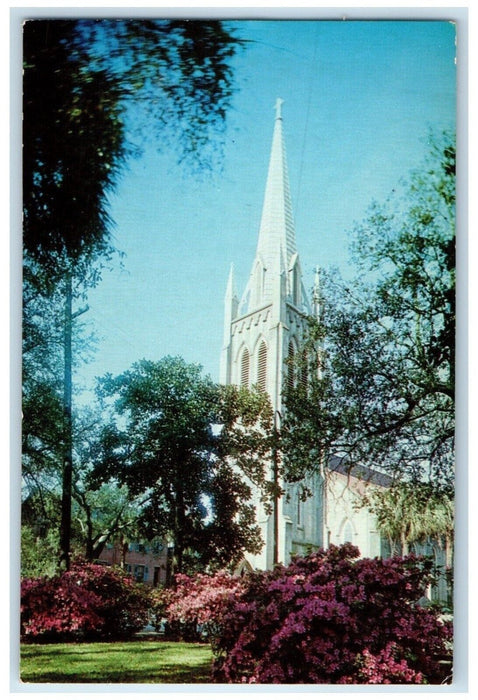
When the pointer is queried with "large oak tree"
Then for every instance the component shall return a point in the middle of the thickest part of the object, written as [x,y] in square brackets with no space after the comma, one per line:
[195,453]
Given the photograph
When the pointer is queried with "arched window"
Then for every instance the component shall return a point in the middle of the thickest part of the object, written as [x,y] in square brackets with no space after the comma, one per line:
[348,534]
[262,367]
[245,368]
[291,366]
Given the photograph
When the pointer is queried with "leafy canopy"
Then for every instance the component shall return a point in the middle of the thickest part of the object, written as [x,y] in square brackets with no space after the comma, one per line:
[93,89]
[192,450]
[383,396]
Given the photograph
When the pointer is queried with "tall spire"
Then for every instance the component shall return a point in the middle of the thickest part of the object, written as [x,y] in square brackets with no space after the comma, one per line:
[276,233]
[276,252]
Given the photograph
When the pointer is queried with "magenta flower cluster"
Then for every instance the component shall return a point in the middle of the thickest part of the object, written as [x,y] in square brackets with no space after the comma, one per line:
[334,618]
[329,618]
[205,598]
[89,601]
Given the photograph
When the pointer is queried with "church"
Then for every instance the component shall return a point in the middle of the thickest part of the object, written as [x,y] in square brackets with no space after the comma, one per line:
[262,330]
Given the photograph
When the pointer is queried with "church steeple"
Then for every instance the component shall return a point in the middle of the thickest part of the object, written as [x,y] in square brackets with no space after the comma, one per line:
[264,349]
[276,233]
[263,335]
[276,248]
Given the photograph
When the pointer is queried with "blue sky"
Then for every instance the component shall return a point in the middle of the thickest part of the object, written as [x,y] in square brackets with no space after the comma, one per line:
[359,99]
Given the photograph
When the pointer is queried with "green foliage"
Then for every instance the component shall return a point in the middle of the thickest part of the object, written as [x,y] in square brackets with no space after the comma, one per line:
[100,515]
[87,85]
[39,552]
[73,139]
[383,396]
[101,511]
[171,439]
[42,407]
[407,513]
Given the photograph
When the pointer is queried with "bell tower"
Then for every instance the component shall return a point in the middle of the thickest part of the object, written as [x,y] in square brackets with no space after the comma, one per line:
[262,330]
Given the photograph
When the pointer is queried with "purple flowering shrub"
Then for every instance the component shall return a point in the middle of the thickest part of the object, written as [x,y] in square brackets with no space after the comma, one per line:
[333,618]
[89,601]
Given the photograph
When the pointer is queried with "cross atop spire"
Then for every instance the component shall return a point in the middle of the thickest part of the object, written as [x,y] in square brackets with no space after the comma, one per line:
[278,108]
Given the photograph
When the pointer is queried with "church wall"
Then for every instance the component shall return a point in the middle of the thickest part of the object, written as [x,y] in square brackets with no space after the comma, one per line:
[305,517]
[346,522]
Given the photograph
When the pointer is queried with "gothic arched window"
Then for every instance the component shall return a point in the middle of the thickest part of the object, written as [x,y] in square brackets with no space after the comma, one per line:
[348,534]
[245,368]
[262,367]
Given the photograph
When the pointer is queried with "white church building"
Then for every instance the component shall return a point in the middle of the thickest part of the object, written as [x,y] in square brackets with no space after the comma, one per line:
[262,329]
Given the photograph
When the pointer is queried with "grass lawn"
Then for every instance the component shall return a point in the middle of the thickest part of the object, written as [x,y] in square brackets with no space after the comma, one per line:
[116,662]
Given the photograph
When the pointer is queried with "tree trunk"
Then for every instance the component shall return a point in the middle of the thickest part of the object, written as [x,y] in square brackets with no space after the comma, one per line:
[89,534]
[275,476]
[65,525]
[124,550]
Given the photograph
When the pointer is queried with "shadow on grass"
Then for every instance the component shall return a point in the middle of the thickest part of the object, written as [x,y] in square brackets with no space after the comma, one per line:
[116,663]
[172,674]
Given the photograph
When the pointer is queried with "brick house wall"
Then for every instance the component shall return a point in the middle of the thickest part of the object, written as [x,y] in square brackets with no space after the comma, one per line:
[147,562]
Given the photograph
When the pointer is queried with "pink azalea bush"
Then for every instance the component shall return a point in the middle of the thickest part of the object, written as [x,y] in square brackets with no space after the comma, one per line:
[88,601]
[196,606]
[205,600]
[333,618]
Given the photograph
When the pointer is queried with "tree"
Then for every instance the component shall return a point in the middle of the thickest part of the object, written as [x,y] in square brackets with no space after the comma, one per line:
[42,382]
[407,514]
[39,531]
[192,450]
[100,515]
[384,393]
[81,79]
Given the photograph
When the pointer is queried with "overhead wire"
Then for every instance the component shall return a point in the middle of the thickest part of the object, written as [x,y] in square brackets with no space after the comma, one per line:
[307,118]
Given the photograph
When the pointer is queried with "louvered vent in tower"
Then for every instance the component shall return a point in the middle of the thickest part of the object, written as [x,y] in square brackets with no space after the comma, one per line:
[291,366]
[304,370]
[245,368]
[262,367]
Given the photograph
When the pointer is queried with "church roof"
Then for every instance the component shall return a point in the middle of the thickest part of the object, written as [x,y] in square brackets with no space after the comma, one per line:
[370,476]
